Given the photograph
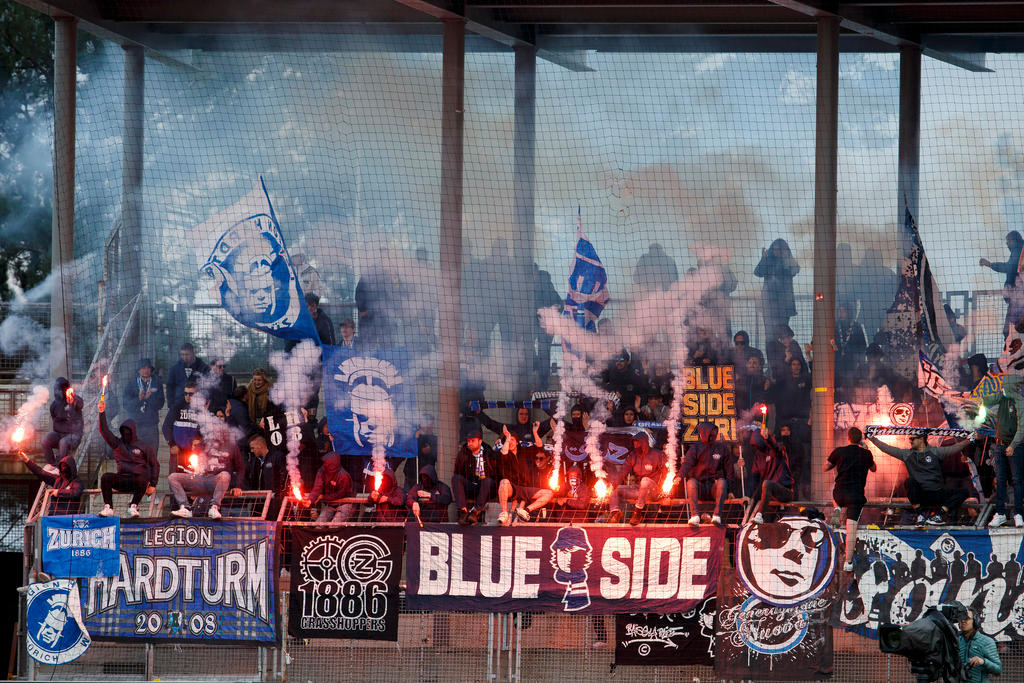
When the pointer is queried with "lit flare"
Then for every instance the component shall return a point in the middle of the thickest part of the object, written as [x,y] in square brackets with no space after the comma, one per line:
[193,461]
[69,394]
[601,489]
[103,394]
[666,486]
[297,493]
[553,481]
[377,479]
[18,435]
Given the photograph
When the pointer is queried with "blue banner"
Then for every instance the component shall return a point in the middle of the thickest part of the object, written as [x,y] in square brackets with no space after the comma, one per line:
[81,546]
[255,278]
[898,574]
[194,580]
[588,283]
[54,630]
[369,400]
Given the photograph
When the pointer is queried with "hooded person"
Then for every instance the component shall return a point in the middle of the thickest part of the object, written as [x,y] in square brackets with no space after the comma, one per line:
[389,497]
[770,476]
[521,428]
[219,470]
[573,496]
[705,470]
[777,268]
[429,498]
[648,466]
[138,469]
[67,487]
[331,486]
[68,425]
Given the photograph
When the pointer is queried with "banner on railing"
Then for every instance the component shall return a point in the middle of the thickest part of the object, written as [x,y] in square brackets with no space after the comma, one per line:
[898,574]
[680,639]
[582,570]
[81,546]
[345,583]
[198,580]
[774,607]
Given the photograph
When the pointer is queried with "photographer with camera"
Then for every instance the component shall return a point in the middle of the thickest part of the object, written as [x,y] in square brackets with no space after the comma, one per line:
[978,652]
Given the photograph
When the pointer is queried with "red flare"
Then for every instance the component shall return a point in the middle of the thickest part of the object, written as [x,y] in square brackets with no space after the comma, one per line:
[764,409]
[297,492]
[601,489]
[193,461]
[18,435]
[553,481]
[69,394]
[377,479]
[666,486]
[106,378]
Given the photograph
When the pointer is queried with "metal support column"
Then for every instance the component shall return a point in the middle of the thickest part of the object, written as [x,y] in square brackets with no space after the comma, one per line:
[825,190]
[63,231]
[523,182]
[908,166]
[128,282]
[452,81]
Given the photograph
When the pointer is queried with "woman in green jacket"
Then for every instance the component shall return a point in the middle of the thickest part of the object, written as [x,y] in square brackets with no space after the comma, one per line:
[978,652]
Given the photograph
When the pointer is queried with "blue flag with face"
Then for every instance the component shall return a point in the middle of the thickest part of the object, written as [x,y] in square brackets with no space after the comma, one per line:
[369,401]
[588,283]
[253,274]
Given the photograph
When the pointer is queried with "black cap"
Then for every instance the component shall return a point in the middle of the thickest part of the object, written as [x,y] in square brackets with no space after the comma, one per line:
[145,363]
[474,434]
[312,298]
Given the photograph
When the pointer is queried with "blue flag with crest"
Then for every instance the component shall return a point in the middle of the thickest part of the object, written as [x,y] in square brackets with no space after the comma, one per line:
[588,282]
[252,271]
[369,400]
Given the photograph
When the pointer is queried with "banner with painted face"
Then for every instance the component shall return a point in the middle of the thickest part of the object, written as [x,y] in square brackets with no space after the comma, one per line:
[251,270]
[369,401]
[680,639]
[616,445]
[195,580]
[898,574]
[580,569]
[345,583]
[774,607]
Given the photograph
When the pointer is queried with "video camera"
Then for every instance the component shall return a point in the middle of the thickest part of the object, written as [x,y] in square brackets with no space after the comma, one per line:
[931,643]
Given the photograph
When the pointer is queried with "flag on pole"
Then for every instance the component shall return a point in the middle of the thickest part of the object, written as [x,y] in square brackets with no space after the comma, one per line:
[936,331]
[252,271]
[588,283]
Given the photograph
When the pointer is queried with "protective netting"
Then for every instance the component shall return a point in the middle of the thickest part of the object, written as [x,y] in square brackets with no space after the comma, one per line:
[691,175]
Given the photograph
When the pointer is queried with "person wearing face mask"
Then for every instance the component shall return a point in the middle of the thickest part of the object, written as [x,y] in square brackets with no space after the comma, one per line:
[649,469]
[978,652]
[704,469]
[771,478]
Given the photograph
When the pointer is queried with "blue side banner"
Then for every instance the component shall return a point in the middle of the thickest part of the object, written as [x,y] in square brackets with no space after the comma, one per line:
[81,546]
[369,399]
[195,580]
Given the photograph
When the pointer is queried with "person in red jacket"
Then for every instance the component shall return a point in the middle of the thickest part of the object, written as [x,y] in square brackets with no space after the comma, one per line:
[138,470]
[332,484]
[649,469]
[389,497]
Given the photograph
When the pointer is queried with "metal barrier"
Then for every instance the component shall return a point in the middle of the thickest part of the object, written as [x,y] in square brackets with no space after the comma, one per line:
[246,505]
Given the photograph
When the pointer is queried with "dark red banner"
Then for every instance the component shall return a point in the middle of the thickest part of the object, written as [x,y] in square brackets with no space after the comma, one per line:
[580,569]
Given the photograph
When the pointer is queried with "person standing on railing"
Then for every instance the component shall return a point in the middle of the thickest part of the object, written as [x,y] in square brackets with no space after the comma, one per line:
[67,487]
[1014,299]
[68,426]
[138,470]
[852,464]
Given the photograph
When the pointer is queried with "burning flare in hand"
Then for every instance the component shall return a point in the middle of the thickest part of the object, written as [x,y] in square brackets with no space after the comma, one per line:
[18,435]
[378,477]
[666,486]
[69,394]
[193,461]
[601,489]
[553,481]
[297,493]
[103,394]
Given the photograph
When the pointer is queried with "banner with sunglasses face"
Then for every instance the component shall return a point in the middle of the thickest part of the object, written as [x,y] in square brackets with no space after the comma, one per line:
[774,606]
[898,574]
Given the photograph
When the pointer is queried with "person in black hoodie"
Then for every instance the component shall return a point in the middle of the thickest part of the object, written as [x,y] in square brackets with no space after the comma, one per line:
[188,368]
[705,469]
[67,487]
[770,478]
[333,484]
[66,413]
[429,498]
[476,474]
[219,470]
[388,497]
[138,470]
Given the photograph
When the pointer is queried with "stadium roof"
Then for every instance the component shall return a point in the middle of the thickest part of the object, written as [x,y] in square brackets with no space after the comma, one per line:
[955,31]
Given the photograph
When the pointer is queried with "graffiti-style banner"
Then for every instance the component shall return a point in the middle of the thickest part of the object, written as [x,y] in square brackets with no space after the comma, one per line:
[774,608]
[683,639]
[898,574]
[584,570]
[194,580]
[345,583]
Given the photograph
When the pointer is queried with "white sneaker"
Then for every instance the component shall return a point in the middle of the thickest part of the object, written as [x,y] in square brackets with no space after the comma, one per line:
[848,567]
[1018,521]
[523,514]
[997,520]
[214,512]
[503,518]
[133,510]
[183,512]
[694,521]
[107,511]
[716,519]
[758,519]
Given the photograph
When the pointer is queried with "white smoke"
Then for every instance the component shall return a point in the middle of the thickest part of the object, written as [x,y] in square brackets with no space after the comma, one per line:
[296,375]
[27,416]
